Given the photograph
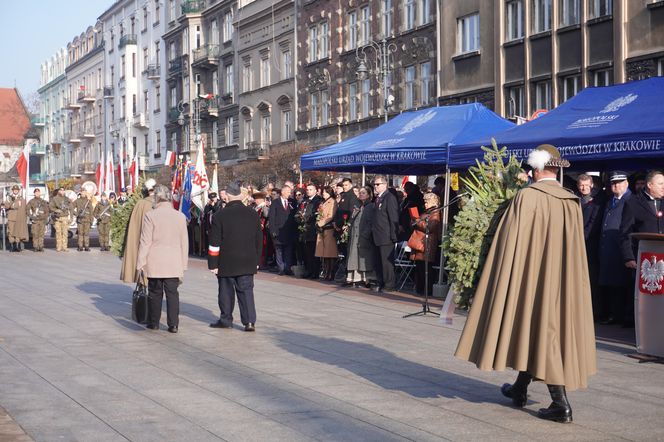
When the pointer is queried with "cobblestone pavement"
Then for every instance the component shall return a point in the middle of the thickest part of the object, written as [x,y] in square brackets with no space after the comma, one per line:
[324,364]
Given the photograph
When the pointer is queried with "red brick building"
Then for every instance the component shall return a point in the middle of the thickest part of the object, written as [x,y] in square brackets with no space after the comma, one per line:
[14,125]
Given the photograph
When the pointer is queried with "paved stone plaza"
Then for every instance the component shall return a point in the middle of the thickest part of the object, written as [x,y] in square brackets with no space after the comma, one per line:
[324,364]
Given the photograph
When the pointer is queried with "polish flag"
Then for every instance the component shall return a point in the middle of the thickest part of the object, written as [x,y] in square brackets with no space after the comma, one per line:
[110,179]
[132,172]
[170,158]
[121,181]
[99,175]
[22,165]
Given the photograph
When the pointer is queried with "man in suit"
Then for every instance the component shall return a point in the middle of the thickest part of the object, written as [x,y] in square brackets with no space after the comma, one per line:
[643,213]
[614,278]
[311,204]
[236,243]
[283,230]
[385,228]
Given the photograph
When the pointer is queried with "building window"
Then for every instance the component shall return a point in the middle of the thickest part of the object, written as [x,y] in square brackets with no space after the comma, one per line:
[215,134]
[174,142]
[123,66]
[248,132]
[542,98]
[229,79]
[197,82]
[514,20]
[171,51]
[123,102]
[324,108]
[158,143]
[352,102]
[571,86]
[600,8]
[228,131]
[247,82]
[286,64]
[171,10]
[215,83]
[468,100]
[214,32]
[286,124]
[156,11]
[351,21]
[174,97]
[228,26]
[603,77]
[468,33]
[660,67]
[386,22]
[365,25]
[265,71]
[313,44]
[409,14]
[365,98]
[514,103]
[313,110]
[266,130]
[425,78]
[145,101]
[134,104]
[145,58]
[157,97]
[324,40]
[145,18]
[146,144]
[570,12]
[542,15]
[410,87]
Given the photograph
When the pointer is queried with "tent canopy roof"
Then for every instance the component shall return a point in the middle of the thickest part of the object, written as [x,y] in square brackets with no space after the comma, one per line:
[412,143]
[599,125]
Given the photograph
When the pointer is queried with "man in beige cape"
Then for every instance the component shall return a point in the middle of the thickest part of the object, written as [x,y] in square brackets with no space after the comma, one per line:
[128,273]
[532,310]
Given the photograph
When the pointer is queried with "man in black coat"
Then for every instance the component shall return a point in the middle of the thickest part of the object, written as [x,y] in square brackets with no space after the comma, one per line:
[385,228]
[236,243]
[283,230]
[614,278]
[311,204]
[592,209]
[643,214]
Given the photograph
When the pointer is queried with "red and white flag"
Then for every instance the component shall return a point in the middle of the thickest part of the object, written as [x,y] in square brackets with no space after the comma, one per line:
[22,166]
[100,175]
[110,179]
[200,183]
[170,158]
[132,173]
[121,181]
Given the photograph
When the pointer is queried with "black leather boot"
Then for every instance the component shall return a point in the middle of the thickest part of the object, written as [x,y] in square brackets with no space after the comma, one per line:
[518,391]
[14,247]
[559,410]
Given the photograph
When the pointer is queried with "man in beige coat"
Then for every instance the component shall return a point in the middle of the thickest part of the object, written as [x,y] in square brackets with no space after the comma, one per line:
[17,219]
[128,272]
[162,257]
[532,309]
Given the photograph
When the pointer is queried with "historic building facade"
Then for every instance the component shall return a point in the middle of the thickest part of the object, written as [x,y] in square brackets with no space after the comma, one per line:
[336,98]
[519,56]
[134,84]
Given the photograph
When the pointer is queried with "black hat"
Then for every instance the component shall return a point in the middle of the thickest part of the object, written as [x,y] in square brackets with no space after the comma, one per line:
[617,175]
[212,195]
[234,189]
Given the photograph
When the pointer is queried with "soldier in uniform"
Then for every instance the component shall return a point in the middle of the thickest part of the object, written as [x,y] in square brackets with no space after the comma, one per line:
[103,211]
[38,213]
[83,210]
[60,208]
[17,220]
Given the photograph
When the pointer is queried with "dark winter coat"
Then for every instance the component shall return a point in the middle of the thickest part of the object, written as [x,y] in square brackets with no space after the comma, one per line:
[282,225]
[612,270]
[642,215]
[386,219]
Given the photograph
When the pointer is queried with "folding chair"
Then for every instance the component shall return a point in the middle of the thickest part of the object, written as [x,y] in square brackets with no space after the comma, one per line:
[403,266]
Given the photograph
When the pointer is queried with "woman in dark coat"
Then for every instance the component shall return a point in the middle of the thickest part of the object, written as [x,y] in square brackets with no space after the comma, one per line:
[360,242]
[431,216]
[412,198]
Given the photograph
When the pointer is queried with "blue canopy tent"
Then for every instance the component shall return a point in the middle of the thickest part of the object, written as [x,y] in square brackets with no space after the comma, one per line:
[412,143]
[621,124]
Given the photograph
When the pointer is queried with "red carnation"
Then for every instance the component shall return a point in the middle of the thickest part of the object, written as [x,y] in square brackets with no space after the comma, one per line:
[345,216]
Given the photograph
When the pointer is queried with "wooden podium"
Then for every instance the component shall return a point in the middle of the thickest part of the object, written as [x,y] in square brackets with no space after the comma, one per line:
[649,294]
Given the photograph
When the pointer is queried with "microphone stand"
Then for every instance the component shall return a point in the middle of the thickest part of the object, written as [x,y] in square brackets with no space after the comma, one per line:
[425,305]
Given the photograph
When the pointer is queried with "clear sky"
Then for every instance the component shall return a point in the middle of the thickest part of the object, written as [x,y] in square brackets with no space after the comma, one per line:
[31,31]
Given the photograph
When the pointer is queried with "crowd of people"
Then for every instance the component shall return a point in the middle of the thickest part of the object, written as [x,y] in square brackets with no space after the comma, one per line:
[629,204]
[344,232]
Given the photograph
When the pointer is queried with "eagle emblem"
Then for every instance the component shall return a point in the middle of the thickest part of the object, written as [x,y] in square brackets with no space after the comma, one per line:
[618,103]
[416,122]
[652,274]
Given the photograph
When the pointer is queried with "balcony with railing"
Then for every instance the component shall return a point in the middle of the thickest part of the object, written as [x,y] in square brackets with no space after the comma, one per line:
[86,168]
[85,96]
[87,129]
[129,39]
[193,6]
[177,65]
[38,121]
[206,57]
[173,114]
[154,71]
[141,121]
[37,149]
[71,104]
[211,108]
[73,136]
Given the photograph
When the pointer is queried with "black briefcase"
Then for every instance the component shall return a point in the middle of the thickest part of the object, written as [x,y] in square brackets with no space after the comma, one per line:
[139,304]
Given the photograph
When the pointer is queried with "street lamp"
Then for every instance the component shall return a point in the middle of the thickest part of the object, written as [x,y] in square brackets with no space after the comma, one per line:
[378,56]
